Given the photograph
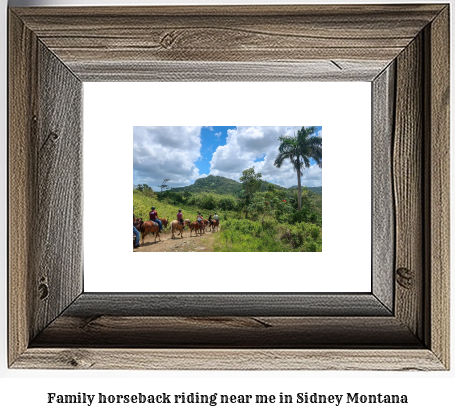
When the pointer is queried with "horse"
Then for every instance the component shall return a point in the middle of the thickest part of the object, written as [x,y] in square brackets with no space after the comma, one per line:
[177,226]
[196,225]
[137,223]
[215,224]
[164,222]
[149,227]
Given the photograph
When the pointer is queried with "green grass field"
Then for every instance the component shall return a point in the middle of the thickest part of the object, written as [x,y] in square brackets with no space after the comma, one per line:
[237,233]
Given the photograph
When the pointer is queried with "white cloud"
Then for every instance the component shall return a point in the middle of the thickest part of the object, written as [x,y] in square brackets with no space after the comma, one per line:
[166,153]
[244,145]
[171,153]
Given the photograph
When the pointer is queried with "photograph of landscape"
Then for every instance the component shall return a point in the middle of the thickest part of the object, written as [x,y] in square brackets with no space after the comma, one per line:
[227,189]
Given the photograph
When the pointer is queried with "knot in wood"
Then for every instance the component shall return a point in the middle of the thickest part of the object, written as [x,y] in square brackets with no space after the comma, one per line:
[405,278]
[43,291]
[168,40]
[77,359]
[53,136]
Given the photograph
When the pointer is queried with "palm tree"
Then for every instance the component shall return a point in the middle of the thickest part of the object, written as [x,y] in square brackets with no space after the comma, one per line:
[299,150]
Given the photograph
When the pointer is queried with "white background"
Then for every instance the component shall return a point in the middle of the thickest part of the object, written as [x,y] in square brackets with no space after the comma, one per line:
[343,110]
[25,391]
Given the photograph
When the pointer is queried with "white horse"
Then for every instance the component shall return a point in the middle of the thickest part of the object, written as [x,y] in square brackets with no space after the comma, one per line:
[177,226]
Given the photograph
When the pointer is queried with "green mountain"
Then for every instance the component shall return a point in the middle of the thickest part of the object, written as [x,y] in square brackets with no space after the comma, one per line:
[223,186]
[219,185]
[317,190]
[215,184]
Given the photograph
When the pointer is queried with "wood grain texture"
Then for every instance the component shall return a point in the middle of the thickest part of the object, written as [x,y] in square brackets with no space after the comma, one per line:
[383,215]
[438,193]
[257,332]
[21,176]
[53,49]
[214,305]
[308,71]
[408,188]
[45,174]
[58,193]
[227,34]
[229,359]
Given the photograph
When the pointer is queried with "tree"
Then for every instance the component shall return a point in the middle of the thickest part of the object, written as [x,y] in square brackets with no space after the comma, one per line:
[300,150]
[251,183]
[163,185]
[142,187]
[270,203]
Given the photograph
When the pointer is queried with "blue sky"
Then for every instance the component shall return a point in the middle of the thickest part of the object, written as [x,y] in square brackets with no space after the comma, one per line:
[184,154]
[211,139]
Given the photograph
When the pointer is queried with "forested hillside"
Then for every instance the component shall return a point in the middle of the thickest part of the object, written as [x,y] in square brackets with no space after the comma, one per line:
[224,186]
[256,216]
[212,184]
[317,190]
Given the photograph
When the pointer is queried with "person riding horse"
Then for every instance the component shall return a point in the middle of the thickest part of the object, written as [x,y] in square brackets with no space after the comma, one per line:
[215,221]
[180,218]
[200,220]
[154,218]
[136,233]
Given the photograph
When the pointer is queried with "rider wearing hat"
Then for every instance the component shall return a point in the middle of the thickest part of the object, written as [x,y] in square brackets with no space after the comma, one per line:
[154,217]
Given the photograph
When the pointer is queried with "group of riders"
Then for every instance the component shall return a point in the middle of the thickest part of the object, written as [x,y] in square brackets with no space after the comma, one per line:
[153,215]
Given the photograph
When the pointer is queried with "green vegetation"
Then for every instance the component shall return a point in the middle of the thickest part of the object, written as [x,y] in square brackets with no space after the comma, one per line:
[257,217]
[145,189]
[220,186]
[142,204]
[270,236]
[299,150]
[212,184]
[317,189]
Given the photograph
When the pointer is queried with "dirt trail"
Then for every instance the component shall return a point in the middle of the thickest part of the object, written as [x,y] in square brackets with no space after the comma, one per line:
[200,243]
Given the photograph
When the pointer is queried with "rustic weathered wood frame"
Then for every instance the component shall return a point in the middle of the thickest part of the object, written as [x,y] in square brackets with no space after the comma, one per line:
[403,324]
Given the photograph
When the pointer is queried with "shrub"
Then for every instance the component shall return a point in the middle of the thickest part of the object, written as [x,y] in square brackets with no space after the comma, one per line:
[306,237]
[208,201]
[248,236]
[226,203]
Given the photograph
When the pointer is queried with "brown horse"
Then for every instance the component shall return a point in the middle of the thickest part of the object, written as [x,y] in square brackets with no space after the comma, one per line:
[177,226]
[164,222]
[215,224]
[149,227]
[196,226]
[137,223]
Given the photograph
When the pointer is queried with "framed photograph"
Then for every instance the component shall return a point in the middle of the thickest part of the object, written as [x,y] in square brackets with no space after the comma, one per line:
[262,229]
[400,323]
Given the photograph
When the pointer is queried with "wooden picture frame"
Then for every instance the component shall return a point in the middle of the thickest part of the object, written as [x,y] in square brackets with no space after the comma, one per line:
[403,324]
